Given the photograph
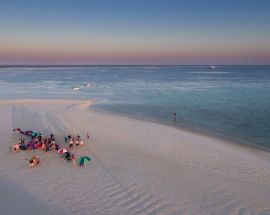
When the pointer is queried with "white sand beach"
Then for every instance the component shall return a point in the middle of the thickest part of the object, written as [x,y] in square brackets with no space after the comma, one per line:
[137,167]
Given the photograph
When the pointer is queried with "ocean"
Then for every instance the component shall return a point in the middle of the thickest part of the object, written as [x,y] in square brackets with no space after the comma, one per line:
[231,102]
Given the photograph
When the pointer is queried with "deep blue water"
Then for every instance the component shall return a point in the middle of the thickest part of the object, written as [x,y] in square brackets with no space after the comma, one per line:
[232,101]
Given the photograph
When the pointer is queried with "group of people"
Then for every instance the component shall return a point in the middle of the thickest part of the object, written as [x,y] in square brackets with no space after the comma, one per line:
[46,144]
[77,141]
[38,141]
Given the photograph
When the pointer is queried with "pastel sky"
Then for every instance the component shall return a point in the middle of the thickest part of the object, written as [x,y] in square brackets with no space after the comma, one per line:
[134,32]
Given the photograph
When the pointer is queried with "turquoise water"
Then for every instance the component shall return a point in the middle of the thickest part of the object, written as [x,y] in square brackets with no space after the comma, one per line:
[231,102]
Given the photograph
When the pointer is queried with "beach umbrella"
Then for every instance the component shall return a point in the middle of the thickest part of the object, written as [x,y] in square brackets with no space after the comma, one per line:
[62,151]
[84,160]
[36,134]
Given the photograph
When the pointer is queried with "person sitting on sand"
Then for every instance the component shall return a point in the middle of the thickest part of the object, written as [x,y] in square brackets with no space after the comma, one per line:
[16,147]
[81,143]
[47,148]
[34,162]
[31,163]
[53,147]
[22,140]
[77,142]
[45,140]
[43,147]
[71,142]
[37,160]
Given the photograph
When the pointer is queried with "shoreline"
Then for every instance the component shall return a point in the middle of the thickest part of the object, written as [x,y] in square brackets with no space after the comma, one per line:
[86,104]
[219,137]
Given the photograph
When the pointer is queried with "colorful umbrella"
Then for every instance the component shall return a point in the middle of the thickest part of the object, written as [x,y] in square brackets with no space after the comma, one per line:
[84,160]
[62,151]
[36,134]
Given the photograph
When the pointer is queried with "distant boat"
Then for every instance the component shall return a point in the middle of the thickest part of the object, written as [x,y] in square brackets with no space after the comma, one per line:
[76,88]
[212,67]
[88,85]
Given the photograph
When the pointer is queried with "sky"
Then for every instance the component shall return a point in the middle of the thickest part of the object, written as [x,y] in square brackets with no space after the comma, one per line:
[134,32]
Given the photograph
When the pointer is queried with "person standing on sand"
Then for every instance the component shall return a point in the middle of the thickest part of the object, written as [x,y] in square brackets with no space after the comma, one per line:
[73,158]
[43,147]
[71,142]
[174,117]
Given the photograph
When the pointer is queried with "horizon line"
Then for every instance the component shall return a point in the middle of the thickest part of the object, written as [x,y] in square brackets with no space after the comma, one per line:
[91,65]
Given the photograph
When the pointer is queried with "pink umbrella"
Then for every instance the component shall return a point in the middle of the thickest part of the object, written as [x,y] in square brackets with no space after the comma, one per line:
[62,151]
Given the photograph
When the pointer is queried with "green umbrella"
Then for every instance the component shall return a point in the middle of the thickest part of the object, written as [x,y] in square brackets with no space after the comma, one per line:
[84,160]
[36,134]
